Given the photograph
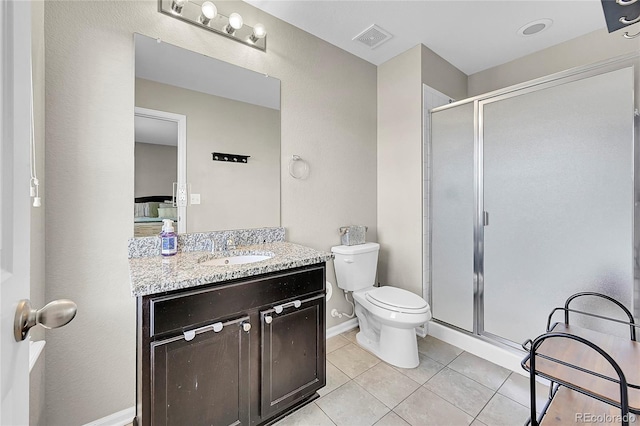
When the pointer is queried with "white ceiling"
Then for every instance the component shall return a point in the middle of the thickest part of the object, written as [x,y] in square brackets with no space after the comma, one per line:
[472,35]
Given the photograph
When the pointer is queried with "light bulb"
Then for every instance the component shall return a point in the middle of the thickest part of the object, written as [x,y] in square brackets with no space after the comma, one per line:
[235,21]
[177,5]
[259,31]
[209,11]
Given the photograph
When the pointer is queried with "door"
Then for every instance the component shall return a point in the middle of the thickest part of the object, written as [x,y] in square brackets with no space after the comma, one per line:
[15,51]
[558,189]
[452,216]
[292,363]
[202,377]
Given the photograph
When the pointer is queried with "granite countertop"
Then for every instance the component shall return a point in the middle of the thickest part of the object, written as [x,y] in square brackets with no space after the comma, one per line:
[157,274]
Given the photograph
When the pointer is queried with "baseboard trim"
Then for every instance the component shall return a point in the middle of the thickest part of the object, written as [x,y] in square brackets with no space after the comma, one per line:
[342,327]
[501,356]
[121,418]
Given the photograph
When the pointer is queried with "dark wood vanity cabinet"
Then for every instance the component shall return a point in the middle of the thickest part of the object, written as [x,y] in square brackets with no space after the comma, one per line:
[242,352]
[293,361]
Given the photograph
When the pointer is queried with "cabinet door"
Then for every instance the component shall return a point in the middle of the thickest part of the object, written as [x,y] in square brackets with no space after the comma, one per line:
[203,380]
[293,352]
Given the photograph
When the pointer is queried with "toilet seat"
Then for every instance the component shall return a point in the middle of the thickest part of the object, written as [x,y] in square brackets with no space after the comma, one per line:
[398,300]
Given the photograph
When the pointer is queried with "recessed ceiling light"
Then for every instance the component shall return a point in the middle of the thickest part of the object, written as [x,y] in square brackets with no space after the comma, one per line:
[535,27]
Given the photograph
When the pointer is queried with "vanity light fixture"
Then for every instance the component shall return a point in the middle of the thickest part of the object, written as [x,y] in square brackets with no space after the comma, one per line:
[235,23]
[206,15]
[209,11]
[259,31]
[177,5]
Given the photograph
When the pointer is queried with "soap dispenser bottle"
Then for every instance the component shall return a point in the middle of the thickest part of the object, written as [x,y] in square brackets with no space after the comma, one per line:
[169,239]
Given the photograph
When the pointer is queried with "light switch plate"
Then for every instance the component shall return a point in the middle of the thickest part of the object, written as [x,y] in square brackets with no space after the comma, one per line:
[195,198]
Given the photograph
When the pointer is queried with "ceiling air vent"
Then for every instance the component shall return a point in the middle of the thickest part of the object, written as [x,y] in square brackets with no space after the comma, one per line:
[373,36]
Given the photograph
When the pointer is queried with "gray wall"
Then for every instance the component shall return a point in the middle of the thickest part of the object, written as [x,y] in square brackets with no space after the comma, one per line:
[328,118]
[229,193]
[400,159]
[590,48]
[156,169]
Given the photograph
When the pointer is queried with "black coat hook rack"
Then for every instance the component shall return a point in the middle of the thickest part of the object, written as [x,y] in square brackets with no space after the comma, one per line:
[230,158]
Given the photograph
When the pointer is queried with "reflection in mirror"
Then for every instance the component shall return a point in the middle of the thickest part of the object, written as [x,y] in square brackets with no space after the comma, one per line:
[228,109]
[160,138]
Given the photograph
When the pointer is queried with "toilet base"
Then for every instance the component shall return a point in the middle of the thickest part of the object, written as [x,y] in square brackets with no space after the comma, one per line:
[397,346]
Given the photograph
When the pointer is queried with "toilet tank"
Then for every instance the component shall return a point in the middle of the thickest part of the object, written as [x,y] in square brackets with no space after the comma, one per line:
[356,265]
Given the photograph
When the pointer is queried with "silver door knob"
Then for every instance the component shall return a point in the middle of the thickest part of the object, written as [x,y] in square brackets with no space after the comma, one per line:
[53,315]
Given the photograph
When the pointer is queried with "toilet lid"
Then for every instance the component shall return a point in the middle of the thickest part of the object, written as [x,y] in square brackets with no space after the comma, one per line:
[397,299]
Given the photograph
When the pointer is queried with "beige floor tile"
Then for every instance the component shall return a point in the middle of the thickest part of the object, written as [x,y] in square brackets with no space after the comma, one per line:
[309,415]
[424,371]
[352,360]
[335,379]
[425,408]
[392,419]
[336,342]
[351,334]
[477,422]
[438,350]
[350,405]
[388,385]
[480,370]
[517,388]
[502,411]
[466,394]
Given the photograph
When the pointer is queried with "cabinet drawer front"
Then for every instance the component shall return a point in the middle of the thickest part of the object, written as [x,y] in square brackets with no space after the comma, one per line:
[187,309]
[293,354]
[186,378]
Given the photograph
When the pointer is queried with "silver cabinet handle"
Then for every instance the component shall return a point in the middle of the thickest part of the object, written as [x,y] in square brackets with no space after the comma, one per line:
[278,309]
[246,326]
[53,315]
[268,319]
[626,2]
[190,334]
[626,21]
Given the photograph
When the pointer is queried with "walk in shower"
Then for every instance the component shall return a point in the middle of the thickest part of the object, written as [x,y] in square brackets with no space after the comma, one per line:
[531,199]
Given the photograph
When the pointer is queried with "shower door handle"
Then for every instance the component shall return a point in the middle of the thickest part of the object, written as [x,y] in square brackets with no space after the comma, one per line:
[485,218]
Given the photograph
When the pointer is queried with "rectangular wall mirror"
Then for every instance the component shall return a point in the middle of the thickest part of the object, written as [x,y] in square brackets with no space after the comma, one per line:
[189,106]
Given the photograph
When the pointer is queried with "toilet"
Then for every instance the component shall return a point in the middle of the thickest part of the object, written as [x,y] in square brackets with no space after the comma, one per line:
[387,315]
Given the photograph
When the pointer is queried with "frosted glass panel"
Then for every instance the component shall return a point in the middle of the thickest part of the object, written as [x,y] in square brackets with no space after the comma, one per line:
[452,215]
[558,186]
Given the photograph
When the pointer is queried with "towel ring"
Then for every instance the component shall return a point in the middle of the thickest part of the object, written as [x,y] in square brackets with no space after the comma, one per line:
[294,173]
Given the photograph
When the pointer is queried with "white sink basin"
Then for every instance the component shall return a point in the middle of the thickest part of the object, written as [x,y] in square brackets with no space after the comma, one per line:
[236,260]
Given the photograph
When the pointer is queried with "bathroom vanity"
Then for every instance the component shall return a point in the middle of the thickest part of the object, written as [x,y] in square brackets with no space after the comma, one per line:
[239,344]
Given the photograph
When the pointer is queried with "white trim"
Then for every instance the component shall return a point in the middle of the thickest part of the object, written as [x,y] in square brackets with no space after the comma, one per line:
[342,327]
[501,356]
[181,121]
[35,349]
[121,418]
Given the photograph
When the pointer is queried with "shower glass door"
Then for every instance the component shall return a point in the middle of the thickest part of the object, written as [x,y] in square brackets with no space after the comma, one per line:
[557,184]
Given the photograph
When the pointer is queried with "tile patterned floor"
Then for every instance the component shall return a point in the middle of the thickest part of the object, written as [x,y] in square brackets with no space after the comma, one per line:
[449,387]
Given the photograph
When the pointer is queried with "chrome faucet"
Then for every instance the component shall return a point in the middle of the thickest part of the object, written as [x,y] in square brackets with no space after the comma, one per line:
[231,245]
